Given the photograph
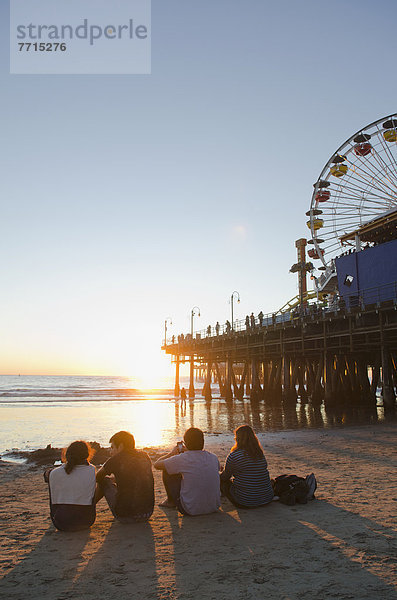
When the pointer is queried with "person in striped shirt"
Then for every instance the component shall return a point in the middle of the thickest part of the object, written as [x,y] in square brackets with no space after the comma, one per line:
[245,479]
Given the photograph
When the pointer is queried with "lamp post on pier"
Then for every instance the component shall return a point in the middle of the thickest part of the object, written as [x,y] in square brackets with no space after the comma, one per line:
[167,320]
[232,302]
[192,315]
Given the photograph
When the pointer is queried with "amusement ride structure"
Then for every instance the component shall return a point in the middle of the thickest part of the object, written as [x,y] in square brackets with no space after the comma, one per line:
[355,194]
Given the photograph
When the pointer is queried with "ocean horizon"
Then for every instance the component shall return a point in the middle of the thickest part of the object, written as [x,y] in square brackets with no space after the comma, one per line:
[37,410]
[73,387]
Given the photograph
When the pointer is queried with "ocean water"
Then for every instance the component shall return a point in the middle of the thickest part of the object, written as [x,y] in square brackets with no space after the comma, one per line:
[37,410]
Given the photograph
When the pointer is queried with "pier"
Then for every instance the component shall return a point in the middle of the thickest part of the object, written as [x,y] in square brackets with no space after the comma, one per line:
[336,344]
[336,353]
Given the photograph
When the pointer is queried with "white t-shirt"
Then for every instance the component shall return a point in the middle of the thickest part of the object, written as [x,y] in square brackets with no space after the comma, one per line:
[200,489]
[76,488]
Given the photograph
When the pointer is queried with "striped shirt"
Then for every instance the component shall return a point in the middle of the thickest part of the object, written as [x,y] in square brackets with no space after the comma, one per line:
[251,484]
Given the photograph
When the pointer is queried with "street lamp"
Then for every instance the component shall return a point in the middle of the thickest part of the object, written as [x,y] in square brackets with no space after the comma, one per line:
[191,384]
[167,320]
[232,302]
[193,314]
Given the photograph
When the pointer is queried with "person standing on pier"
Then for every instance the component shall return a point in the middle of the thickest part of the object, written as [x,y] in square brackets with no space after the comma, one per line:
[217,328]
[228,327]
[260,317]
[252,320]
[247,322]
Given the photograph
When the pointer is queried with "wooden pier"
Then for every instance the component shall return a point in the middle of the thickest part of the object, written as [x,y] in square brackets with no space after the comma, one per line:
[320,354]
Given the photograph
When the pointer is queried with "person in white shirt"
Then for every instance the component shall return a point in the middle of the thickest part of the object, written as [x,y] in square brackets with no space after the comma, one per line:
[191,476]
[72,489]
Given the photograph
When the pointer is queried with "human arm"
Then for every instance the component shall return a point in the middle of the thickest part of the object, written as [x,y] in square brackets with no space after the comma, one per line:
[46,474]
[106,469]
[159,464]
[227,472]
[100,475]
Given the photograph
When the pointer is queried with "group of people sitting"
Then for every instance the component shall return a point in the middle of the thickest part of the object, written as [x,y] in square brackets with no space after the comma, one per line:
[192,477]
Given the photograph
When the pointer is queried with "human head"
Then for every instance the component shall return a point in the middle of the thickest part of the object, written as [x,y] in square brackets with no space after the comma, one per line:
[194,439]
[125,438]
[247,440]
[78,453]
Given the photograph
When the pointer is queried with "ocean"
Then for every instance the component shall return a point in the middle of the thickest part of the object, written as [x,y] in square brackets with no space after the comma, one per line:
[40,410]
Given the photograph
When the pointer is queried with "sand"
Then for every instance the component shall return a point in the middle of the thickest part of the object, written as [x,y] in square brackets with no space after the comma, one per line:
[342,545]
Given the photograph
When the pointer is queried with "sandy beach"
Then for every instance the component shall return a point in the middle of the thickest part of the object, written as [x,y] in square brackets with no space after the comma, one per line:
[342,545]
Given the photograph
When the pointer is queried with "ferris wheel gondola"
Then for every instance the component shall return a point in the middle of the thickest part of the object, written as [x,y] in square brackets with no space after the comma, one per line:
[357,184]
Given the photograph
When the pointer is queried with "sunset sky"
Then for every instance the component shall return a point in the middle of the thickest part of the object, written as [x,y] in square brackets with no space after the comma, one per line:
[129,199]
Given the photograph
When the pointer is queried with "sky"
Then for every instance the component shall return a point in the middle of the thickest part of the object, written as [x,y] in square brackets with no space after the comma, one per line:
[127,199]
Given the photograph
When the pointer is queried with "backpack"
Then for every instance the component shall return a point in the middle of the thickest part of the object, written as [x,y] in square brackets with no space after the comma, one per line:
[292,489]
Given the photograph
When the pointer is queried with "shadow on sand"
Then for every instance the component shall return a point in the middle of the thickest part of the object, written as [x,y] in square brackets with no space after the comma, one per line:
[312,551]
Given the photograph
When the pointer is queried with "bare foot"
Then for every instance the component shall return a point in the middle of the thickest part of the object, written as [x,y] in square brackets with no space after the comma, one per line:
[167,504]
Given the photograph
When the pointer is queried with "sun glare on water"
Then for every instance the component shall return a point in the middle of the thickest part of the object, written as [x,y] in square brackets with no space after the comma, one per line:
[150,421]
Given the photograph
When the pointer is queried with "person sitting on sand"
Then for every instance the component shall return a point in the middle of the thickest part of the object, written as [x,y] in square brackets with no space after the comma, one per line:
[191,476]
[130,490]
[245,479]
[72,489]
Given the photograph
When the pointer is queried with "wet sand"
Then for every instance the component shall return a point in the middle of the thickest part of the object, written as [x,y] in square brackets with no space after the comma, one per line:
[342,545]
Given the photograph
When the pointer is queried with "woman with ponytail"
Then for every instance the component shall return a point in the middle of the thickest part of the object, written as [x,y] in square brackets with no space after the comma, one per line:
[72,489]
[245,479]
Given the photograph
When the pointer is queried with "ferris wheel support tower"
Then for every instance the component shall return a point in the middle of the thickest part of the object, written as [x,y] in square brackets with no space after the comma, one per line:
[302,281]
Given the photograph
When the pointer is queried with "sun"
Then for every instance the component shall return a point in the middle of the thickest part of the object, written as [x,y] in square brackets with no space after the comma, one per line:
[152,374]
[139,359]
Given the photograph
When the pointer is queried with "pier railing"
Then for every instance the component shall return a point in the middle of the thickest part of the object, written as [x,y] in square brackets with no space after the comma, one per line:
[348,302]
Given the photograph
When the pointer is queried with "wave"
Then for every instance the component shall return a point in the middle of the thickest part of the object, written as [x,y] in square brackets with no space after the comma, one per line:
[81,393]
[68,390]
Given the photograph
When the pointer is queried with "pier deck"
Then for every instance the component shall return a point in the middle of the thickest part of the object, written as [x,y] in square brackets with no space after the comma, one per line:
[344,354]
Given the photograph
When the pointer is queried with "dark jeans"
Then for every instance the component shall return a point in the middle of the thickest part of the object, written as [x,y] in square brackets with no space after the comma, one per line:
[226,491]
[72,517]
[172,484]
[109,490]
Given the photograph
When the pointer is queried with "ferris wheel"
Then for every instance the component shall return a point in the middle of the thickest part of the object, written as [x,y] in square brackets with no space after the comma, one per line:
[357,184]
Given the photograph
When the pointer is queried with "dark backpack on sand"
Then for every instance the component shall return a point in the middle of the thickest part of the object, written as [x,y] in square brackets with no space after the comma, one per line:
[291,489]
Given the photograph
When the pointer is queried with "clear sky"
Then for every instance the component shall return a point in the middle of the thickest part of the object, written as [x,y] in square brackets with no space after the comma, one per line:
[128,199]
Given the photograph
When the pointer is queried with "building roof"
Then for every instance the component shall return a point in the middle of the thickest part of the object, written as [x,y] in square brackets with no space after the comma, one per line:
[379,230]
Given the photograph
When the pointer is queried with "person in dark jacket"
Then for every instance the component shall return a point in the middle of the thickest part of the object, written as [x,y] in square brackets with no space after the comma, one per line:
[126,480]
